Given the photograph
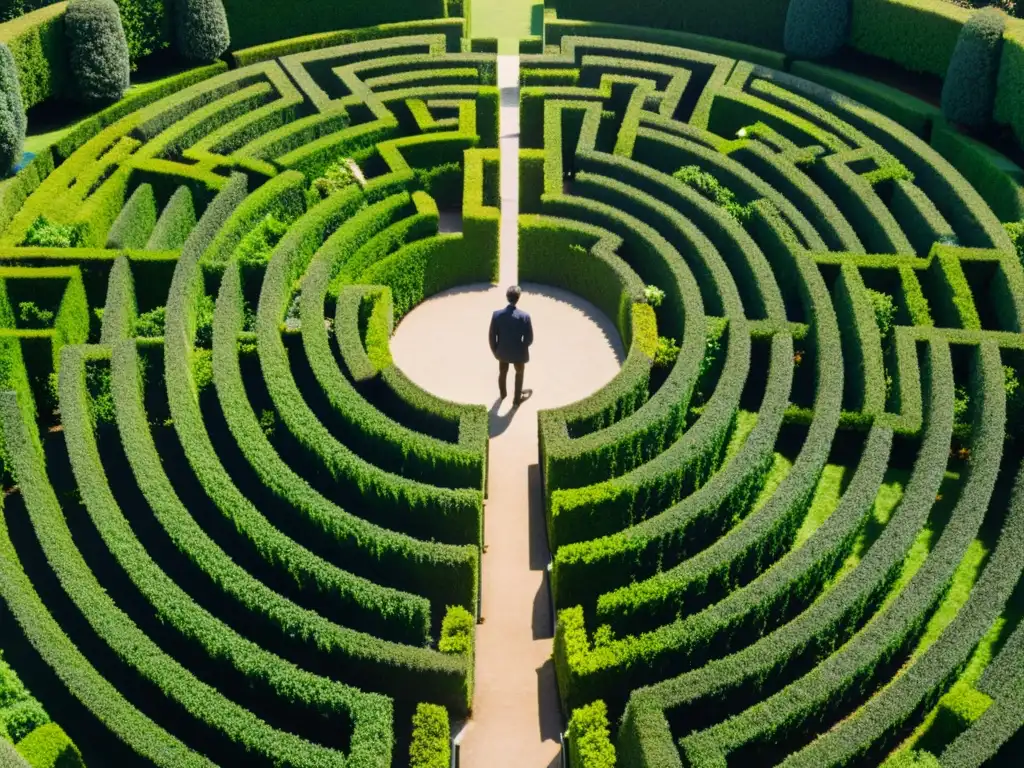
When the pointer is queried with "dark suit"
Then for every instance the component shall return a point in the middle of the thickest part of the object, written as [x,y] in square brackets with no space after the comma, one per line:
[510,337]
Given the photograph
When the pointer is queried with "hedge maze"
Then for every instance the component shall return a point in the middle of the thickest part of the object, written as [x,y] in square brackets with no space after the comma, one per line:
[234,533]
[239,535]
[789,532]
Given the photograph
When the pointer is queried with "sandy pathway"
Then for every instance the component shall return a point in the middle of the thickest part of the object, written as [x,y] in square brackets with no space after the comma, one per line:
[442,345]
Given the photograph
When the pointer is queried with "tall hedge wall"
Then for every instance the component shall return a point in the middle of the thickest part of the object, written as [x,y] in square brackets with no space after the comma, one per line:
[757,22]
[258,21]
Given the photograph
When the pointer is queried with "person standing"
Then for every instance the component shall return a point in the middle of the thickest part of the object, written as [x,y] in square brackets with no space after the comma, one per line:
[510,336]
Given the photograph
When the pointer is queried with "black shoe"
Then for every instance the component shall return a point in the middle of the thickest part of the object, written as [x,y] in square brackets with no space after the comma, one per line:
[521,397]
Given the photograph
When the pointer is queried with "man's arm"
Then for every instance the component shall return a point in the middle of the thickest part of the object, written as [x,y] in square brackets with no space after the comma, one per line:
[528,332]
[492,335]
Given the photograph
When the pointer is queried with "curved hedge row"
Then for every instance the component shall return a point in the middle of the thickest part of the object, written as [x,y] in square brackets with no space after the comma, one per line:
[281,550]
[234,531]
[749,589]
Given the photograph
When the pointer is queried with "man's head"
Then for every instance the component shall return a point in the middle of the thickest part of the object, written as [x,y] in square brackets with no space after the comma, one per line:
[513,294]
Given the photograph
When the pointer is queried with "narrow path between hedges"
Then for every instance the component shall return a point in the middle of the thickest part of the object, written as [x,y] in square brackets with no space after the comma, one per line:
[442,346]
[516,717]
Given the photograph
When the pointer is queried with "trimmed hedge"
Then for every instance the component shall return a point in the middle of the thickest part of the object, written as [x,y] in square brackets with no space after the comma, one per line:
[760,24]
[37,42]
[969,88]
[200,29]
[378,439]
[12,112]
[816,29]
[49,747]
[98,51]
[776,659]
[919,35]
[431,738]
[280,19]
[448,515]
[589,737]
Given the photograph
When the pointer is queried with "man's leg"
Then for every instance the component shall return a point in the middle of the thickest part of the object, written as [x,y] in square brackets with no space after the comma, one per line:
[520,371]
[502,377]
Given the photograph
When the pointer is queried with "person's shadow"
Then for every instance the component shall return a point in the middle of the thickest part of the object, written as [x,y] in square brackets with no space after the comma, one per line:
[499,422]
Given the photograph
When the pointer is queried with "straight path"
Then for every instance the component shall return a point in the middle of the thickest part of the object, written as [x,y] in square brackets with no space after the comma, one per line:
[442,346]
[516,715]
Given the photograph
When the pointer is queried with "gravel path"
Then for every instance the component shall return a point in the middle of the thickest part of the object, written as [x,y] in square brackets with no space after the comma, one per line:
[442,346]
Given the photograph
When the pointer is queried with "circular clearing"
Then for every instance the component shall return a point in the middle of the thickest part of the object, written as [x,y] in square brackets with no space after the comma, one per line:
[442,346]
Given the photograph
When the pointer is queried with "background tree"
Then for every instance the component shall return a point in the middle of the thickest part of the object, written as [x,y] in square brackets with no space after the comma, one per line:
[201,29]
[12,112]
[98,50]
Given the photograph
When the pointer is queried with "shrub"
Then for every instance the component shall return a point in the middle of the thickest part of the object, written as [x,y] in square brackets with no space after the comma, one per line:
[150,324]
[653,295]
[431,738]
[32,316]
[97,49]
[667,353]
[145,24]
[49,747]
[12,112]
[201,29]
[816,29]
[697,178]
[255,248]
[969,90]
[337,177]
[457,632]
[590,744]
[48,234]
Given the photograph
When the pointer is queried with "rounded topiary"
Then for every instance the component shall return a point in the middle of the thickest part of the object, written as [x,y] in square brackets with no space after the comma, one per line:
[98,50]
[201,29]
[12,112]
[816,28]
[969,91]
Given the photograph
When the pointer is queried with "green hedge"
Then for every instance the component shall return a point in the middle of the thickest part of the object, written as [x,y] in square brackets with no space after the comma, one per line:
[200,29]
[589,737]
[449,515]
[38,45]
[378,439]
[276,19]
[816,29]
[123,637]
[267,675]
[431,738]
[894,630]
[49,747]
[919,35]
[755,24]
[969,87]
[20,712]
[452,29]
[445,574]
[100,699]
[998,180]
[827,624]
[97,51]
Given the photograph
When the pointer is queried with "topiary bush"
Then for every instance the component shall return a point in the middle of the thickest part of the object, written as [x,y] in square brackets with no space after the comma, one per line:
[98,50]
[969,90]
[590,743]
[12,112]
[431,738]
[816,28]
[201,29]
